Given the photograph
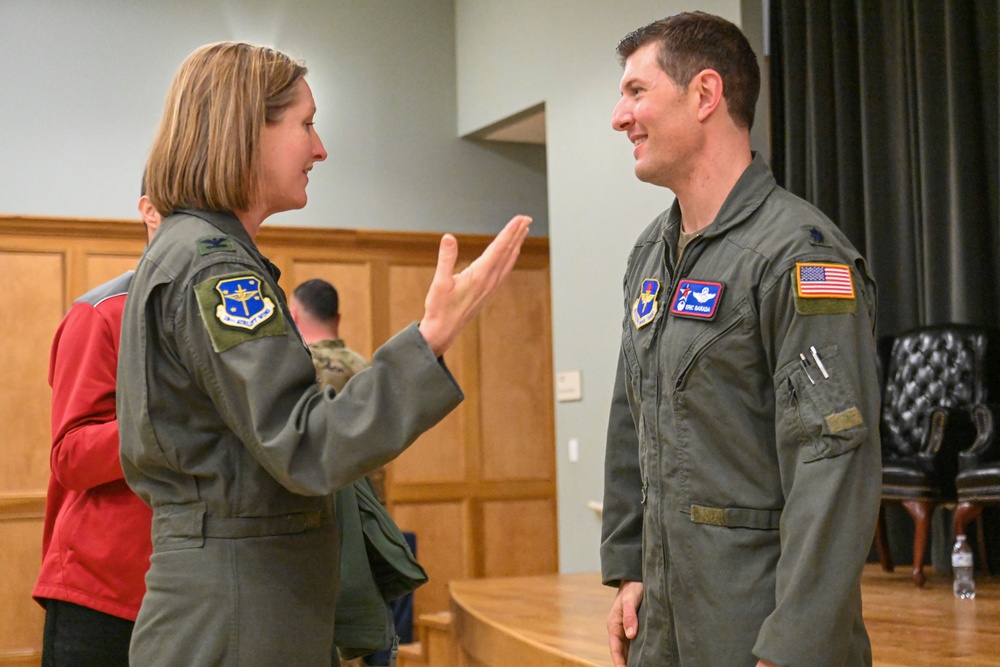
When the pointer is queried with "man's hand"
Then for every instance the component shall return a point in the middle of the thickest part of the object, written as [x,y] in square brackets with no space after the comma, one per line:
[623,621]
[454,300]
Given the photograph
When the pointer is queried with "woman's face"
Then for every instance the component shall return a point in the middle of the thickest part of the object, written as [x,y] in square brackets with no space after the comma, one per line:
[289,148]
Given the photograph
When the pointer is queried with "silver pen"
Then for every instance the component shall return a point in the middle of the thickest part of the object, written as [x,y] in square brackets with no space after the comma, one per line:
[805,367]
[822,368]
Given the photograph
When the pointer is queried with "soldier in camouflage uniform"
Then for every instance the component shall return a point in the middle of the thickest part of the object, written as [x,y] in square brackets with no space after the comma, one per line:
[335,362]
[315,307]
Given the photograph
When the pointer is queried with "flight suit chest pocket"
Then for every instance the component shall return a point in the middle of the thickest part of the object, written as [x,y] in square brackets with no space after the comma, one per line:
[820,406]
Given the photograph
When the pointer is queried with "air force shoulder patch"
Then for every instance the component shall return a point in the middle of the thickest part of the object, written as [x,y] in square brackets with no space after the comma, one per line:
[237,308]
[644,308]
[243,305]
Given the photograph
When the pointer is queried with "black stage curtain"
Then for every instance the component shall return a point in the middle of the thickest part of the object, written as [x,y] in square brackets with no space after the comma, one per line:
[884,115]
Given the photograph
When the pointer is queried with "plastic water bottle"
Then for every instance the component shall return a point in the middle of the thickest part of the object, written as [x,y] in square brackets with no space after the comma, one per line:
[964,585]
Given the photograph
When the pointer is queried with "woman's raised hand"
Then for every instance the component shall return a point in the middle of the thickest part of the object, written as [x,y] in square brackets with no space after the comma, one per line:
[453,300]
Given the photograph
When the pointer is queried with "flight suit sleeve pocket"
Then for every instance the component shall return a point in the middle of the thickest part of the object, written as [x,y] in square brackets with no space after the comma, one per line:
[821,404]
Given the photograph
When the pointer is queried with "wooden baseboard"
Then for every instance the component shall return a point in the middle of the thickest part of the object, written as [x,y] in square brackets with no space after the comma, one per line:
[20,658]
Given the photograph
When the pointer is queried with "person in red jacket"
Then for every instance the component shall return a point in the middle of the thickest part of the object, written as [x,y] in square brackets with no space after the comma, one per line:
[95,544]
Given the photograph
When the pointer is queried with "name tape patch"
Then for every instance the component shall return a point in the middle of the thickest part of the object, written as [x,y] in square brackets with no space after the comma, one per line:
[697,298]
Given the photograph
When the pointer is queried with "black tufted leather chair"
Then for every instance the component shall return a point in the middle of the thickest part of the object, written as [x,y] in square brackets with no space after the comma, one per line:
[978,480]
[934,382]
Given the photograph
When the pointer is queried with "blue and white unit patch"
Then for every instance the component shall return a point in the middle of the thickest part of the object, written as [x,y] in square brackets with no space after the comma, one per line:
[243,305]
[644,308]
[697,298]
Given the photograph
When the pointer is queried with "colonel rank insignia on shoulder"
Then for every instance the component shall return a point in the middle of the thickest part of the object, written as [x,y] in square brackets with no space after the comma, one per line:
[209,244]
[237,308]
[822,288]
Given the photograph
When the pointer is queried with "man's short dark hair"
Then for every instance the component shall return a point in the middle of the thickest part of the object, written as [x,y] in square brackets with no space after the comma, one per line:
[695,41]
[319,298]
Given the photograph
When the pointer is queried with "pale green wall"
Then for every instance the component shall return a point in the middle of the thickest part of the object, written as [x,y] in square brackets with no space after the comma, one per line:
[82,84]
[518,53]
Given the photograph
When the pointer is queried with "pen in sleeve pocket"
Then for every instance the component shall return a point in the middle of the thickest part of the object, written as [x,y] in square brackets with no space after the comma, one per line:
[822,368]
[805,367]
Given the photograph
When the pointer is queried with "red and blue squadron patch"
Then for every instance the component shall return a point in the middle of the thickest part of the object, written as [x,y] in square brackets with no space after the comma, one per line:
[698,299]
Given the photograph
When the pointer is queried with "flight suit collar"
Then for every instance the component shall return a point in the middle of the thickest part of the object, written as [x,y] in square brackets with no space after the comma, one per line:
[229,224]
[753,187]
[225,222]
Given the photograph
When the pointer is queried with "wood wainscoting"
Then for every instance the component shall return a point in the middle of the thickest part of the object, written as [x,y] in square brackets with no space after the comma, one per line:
[480,481]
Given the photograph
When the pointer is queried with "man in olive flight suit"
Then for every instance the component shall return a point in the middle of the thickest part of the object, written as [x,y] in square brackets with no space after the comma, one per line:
[742,467]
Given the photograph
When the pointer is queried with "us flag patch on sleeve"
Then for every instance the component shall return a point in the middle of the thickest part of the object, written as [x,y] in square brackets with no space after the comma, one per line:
[823,281]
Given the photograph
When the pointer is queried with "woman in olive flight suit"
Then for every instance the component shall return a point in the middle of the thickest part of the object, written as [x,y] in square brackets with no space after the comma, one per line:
[223,429]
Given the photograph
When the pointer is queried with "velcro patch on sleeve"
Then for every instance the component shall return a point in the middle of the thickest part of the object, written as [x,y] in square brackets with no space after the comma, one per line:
[238,307]
[842,421]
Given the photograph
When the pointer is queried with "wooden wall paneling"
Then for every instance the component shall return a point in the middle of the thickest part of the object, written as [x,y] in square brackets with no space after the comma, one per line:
[284,259]
[99,268]
[518,424]
[473,444]
[34,306]
[21,618]
[75,279]
[442,547]
[381,313]
[115,246]
[439,455]
[527,523]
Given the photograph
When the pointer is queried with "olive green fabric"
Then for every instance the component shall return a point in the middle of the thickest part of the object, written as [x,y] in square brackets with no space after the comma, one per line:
[210,244]
[742,493]
[239,454]
[376,568]
[825,306]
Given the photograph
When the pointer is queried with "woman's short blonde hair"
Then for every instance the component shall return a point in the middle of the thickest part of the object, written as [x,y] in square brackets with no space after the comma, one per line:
[206,153]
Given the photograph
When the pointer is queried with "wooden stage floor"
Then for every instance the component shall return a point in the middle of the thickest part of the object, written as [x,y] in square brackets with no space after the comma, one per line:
[559,620]
[912,626]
